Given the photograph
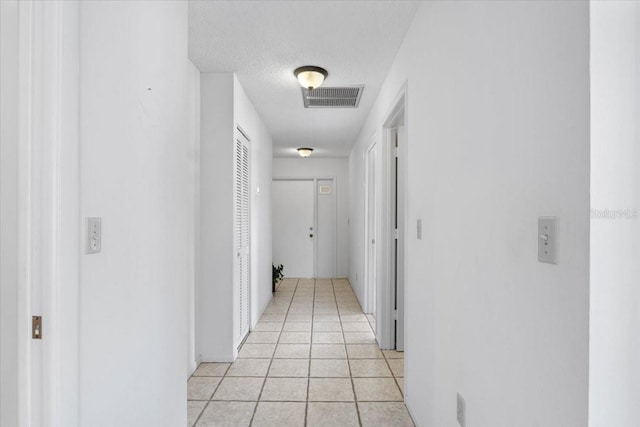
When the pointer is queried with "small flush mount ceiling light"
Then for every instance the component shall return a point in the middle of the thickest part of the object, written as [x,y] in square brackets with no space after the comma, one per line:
[310,77]
[305,151]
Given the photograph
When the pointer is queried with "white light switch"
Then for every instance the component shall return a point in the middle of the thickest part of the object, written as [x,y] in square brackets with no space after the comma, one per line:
[547,239]
[94,235]
[419,229]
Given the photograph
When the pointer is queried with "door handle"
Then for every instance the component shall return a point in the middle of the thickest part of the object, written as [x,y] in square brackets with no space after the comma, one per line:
[310,235]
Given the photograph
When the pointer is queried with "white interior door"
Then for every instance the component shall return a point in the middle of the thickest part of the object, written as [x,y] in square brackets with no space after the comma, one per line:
[371,218]
[326,229]
[293,226]
[241,235]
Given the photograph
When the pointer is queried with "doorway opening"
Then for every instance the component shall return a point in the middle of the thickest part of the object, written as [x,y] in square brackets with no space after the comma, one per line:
[304,226]
[398,238]
[391,230]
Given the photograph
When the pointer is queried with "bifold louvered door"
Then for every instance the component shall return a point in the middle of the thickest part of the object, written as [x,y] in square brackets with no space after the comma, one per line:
[241,230]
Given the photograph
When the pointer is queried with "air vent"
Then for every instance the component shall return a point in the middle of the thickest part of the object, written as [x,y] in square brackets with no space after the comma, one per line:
[332,97]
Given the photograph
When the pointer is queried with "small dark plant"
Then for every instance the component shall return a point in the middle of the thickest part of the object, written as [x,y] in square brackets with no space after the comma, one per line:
[277,275]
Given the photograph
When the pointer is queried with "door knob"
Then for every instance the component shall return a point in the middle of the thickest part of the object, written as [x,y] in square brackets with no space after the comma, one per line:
[310,235]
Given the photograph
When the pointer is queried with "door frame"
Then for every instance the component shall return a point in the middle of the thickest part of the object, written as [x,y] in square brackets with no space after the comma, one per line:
[315,216]
[49,225]
[385,323]
[370,293]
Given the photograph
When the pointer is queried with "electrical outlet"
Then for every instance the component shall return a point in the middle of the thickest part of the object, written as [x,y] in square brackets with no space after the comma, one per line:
[461,411]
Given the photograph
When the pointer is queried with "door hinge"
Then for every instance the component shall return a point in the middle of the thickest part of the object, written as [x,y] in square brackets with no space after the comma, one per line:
[396,152]
[36,327]
[395,314]
[396,234]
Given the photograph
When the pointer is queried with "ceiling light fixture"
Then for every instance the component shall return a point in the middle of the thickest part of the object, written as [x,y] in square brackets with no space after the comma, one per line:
[305,151]
[310,76]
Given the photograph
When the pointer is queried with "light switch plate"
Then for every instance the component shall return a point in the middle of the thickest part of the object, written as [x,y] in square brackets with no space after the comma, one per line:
[419,231]
[94,235]
[548,239]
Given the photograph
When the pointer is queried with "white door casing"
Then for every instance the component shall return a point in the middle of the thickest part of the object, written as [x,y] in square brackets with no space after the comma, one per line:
[370,228]
[325,230]
[241,233]
[47,229]
[400,241]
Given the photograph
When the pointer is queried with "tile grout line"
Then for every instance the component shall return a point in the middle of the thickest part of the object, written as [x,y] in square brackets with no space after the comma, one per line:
[266,375]
[313,307]
[195,423]
[289,376]
[298,401]
[393,375]
[342,303]
[353,387]
[372,327]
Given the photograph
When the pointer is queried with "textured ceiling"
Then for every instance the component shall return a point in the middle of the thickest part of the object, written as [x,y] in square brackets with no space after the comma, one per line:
[264,41]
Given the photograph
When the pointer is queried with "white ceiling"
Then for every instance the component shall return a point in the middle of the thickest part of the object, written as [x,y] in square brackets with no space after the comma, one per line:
[264,41]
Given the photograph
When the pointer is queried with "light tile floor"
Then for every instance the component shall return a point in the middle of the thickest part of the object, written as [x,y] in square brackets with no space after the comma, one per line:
[312,360]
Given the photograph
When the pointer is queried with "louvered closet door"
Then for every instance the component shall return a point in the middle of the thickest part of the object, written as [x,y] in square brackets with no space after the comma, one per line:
[241,237]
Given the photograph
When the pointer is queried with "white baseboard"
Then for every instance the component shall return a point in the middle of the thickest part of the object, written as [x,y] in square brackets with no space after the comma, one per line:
[216,357]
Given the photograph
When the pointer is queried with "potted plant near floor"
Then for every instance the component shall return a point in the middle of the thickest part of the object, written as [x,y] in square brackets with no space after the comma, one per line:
[277,276]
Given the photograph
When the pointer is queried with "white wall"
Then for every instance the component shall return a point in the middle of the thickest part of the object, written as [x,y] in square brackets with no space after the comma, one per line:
[248,119]
[324,168]
[498,134]
[134,174]
[615,240]
[9,213]
[214,292]
[357,212]
[224,106]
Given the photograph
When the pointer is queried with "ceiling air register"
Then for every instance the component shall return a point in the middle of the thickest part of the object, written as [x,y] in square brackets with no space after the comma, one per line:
[332,97]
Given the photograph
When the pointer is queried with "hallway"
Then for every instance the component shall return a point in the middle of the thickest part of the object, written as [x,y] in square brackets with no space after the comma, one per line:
[312,360]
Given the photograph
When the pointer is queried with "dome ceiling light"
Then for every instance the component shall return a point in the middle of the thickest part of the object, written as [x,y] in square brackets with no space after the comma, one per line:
[310,76]
[305,151]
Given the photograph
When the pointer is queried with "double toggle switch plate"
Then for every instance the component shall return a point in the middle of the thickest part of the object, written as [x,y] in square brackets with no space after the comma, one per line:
[94,235]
